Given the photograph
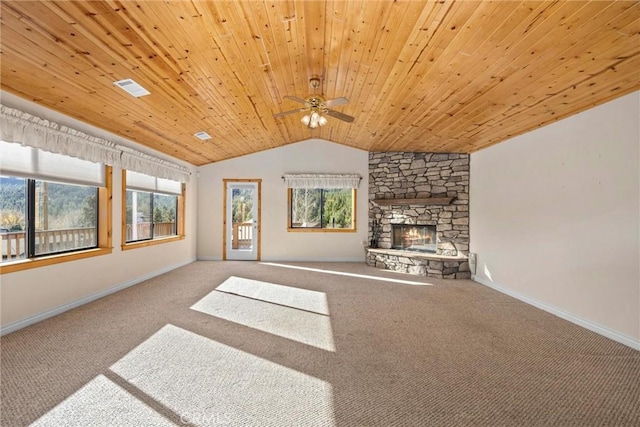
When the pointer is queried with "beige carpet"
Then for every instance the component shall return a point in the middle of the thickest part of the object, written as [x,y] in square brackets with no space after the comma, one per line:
[250,344]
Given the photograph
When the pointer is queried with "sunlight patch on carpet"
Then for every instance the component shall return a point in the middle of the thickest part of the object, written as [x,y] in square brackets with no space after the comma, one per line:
[343,273]
[296,314]
[101,402]
[203,381]
[303,299]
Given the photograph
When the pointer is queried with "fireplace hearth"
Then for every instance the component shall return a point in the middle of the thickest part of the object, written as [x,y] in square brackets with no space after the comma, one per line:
[412,237]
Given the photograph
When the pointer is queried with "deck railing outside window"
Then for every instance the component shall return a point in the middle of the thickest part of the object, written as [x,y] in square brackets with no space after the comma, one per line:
[14,242]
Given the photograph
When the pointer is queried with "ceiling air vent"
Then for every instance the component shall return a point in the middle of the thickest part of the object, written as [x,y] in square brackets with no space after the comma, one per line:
[133,88]
[202,135]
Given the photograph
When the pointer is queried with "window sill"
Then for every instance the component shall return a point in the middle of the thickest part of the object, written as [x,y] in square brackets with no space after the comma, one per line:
[26,264]
[321,230]
[145,243]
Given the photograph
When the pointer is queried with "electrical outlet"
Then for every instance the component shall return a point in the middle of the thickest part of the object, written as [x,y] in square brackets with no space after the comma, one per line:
[473,261]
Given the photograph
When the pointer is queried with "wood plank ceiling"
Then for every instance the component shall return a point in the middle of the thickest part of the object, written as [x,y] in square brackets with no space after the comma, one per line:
[445,75]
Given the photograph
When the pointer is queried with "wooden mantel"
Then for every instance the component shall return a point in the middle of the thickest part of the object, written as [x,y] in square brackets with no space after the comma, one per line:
[416,201]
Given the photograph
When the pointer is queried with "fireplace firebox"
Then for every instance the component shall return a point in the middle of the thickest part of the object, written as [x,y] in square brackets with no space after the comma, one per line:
[411,237]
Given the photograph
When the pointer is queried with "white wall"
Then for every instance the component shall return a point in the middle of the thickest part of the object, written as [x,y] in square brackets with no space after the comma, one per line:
[555,218]
[311,156]
[34,294]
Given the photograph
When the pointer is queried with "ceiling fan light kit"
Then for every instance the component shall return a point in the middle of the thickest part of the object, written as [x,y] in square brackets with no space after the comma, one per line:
[314,120]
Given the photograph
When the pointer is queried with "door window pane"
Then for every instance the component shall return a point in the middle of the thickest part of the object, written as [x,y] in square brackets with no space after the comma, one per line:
[242,213]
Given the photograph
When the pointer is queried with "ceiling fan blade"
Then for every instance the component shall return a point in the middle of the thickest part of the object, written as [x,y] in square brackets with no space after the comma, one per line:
[336,101]
[341,116]
[295,98]
[286,113]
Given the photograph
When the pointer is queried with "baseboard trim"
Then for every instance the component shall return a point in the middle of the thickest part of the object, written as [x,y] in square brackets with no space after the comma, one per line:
[294,259]
[587,324]
[14,326]
[315,259]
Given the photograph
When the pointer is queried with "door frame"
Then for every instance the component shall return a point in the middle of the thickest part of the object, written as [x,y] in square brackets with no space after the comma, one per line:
[258,214]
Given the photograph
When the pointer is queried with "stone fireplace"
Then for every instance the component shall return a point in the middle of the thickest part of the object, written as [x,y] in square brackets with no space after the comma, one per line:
[419,213]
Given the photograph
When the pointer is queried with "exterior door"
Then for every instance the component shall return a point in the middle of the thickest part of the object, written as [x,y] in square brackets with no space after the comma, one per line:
[242,220]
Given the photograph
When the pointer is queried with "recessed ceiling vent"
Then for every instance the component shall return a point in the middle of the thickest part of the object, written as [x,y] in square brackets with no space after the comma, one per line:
[202,135]
[133,88]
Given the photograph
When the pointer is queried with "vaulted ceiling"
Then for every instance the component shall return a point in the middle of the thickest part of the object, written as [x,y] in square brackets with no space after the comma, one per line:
[442,75]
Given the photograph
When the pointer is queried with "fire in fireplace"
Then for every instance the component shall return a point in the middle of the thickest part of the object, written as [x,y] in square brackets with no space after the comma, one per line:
[411,237]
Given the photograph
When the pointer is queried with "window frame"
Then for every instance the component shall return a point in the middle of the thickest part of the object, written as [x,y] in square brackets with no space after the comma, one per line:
[180,220]
[104,247]
[354,192]
[31,184]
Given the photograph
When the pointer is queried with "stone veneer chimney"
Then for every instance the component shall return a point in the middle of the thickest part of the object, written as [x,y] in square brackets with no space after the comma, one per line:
[424,176]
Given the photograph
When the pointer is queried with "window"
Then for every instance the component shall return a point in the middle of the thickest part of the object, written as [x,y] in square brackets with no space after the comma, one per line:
[153,209]
[64,217]
[321,202]
[150,215]
[322,209]
[53,208]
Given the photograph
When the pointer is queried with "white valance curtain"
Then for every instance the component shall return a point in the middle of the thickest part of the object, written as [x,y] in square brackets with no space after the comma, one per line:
[321,180]
[23,128]
[19,127]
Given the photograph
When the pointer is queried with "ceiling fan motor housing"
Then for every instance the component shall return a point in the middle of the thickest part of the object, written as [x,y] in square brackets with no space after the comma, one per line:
[316,102]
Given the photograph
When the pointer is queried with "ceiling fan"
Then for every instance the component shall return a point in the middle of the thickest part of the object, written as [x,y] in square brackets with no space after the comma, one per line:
[317,107]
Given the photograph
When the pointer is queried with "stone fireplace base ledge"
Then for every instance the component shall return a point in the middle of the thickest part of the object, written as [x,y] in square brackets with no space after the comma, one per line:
[419,263]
